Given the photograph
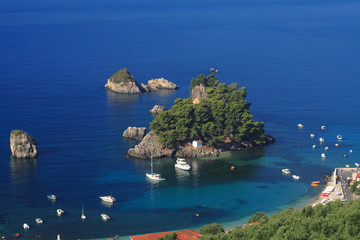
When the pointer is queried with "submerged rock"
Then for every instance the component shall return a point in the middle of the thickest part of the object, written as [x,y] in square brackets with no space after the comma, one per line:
[135,133]
[22,145]
[123,82]
[157,109]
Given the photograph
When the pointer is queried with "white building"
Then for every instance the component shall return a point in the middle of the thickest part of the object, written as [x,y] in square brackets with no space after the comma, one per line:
[197,143]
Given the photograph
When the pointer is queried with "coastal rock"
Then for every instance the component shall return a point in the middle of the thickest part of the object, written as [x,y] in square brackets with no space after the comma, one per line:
[145,87]
[157,109]
[123,82]
[160,83]
[22,145]
[149,146]
[135,133]
[198,93]
[189,151]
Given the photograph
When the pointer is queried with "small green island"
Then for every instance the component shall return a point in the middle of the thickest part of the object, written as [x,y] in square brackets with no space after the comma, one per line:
[216,114]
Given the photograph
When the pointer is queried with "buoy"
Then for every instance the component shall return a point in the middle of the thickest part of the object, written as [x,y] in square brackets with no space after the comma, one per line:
[197,215]
[232,167]
[336,145]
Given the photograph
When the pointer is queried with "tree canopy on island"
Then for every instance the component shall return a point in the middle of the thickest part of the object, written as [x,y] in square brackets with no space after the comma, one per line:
[336,221]
[224,115]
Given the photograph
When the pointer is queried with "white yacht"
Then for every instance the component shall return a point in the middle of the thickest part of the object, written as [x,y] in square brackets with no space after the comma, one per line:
[339,137]
[314,146]
[83,217]
[286,171]
[300,125]
[296,177]
[180,163]
[26,226]
[152,175]
[323,155]
[326,148]
[105,217]
[108,198]
[60,212]
[321,140]
[38,220]
[312,135]
[323,127]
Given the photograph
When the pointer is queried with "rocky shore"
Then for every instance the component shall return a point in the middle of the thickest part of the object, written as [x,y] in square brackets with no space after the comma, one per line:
[150,145]
[123,82]
[157,109]
[135,133]
[22,145]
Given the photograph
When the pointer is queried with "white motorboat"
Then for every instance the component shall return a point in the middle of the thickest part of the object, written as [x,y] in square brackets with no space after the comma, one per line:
[296,177]
[26,226]
[105,217]
[152,175]
[326,148]
[357,165]
[339,137]
[180,163]
[314,146]
[38,220]
[300,125]
[321,140]
[83,217]
[108,198]
[312,135]
[59,212]
[323,155]
[323,127]
[350,151]
[286,171]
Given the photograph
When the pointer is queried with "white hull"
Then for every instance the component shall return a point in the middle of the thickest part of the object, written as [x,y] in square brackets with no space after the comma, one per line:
[109,199]
[59,212]
[295,177]
[105,217]
[286,171]
[155,176]
[39,221]
[26,226]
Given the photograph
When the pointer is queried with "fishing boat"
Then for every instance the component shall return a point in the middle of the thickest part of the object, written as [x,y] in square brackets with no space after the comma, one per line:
[59,212]
[286,171]
[300,125]
[180,163]
[83,217]
[26,226]
[323,155]
[339,137]
[51,197]
[312,135]
[108,198]
[296,177]
[39,221]
[152,175]
[105,217]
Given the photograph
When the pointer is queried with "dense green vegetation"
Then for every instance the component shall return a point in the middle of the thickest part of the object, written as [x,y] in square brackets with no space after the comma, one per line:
[207,81]
[122,76]
[172,236]
[336,220]
[355,188]
[224,115]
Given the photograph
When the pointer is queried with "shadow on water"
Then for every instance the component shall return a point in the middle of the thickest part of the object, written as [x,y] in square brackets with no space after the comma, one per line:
[22,170]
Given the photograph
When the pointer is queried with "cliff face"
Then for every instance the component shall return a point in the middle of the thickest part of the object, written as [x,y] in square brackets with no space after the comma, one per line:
[22,145]
[135,133]
[123,82]
[198,93]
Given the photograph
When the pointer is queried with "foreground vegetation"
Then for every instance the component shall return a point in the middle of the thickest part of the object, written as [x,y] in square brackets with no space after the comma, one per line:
[336,220]
[224,115]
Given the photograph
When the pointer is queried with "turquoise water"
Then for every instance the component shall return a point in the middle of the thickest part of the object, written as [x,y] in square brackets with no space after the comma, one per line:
[298,61]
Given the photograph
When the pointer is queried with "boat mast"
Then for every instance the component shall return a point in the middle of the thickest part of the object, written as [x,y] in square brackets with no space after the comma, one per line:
[152,164]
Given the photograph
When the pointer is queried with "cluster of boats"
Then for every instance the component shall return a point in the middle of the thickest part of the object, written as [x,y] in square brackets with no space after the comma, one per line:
[287,171]
[180,163]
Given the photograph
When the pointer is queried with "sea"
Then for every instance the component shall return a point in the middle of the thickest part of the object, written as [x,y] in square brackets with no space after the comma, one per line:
[299,61]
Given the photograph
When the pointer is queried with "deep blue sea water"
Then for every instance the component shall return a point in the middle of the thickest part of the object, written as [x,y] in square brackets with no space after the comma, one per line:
[299,62]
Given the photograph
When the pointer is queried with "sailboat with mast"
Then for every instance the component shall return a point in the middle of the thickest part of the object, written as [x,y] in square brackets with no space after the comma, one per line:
[152,175]
[83,217]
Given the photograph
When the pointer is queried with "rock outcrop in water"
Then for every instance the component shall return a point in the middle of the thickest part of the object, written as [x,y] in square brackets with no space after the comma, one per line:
[123,82]
[22,145]
[157,109]
[135,133]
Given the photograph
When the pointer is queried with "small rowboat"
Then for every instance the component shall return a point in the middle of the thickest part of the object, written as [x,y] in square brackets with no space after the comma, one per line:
[51,197]
[314,185]
[315,182]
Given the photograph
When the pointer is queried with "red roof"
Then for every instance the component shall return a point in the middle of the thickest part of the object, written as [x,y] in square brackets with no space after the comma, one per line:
[182,235]
[253,223]
[198,141]
[358,175]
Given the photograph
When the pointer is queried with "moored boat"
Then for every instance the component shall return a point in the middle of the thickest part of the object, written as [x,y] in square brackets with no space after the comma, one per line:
[105,217]
[323,155]
[323,127]
[321,140]
[181,164]
[38,220]
[286,171]
[312,135]
[108,198]
[296,177]
[51,197]
[26,226]
[60,212]
[300,125]
[152,175]
[339,137]
[16,235]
